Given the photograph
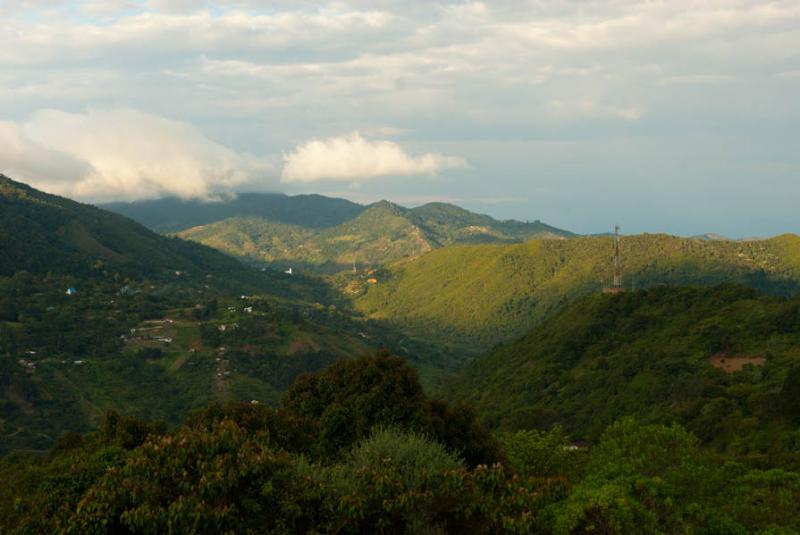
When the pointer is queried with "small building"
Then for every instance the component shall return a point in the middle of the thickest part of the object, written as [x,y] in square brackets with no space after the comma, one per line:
[71,291]
[288,271]
[372,280]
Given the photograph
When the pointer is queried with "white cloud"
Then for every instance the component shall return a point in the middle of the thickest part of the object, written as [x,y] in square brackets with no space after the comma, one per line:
[23,158]
[122,154]
[351,158]
[470,75]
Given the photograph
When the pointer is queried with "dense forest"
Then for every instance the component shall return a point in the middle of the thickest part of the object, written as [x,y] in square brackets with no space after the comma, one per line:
[724,362]
[359,448]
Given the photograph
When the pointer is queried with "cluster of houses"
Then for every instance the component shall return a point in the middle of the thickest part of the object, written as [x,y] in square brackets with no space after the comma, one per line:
[221,365]
[146,334]
[28,364]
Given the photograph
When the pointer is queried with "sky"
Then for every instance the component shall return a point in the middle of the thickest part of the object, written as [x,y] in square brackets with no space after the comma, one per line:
[676,116]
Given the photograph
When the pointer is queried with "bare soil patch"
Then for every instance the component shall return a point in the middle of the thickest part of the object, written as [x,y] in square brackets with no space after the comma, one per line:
[735,363]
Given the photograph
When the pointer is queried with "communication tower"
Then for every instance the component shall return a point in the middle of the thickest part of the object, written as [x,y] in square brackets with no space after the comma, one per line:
[616,285]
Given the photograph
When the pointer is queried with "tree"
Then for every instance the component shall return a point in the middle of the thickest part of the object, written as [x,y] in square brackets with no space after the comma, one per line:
[353,396]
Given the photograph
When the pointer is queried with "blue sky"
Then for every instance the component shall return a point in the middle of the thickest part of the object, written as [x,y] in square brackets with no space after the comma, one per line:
[677,117]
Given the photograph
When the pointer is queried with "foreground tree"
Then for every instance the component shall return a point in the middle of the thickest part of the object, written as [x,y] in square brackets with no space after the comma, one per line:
[351,397]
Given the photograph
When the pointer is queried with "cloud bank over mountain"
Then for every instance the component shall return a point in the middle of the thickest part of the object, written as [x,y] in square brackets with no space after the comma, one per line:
[588,109]
[122,154]
[129,154]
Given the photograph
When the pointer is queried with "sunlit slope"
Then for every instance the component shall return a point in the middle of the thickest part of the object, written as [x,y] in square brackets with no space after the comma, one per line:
[380,234]
[383,233]
[477,296]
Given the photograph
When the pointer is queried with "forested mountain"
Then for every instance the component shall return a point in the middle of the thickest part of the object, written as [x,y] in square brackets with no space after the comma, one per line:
[173,215]
[723,361]
[473,297]
[43,233]
[383,232]
[97,312]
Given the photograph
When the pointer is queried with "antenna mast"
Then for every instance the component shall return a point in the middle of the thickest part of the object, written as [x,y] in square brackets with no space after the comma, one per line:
[617,261]
[616,285]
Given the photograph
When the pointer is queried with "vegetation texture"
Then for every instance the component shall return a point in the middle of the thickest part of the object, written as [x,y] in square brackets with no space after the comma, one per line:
[473,297]
[382,233]
[723,362]
[401,469]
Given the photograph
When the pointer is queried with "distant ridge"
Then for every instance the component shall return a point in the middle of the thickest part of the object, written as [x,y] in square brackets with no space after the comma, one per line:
[327,235]
[711,236]
[174,215]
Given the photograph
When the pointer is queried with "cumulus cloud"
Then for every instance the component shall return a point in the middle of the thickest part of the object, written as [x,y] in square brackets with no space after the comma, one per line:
[351,158]
[122,154]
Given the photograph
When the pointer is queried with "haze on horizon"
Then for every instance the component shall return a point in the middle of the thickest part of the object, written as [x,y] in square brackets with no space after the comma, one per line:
[677,117]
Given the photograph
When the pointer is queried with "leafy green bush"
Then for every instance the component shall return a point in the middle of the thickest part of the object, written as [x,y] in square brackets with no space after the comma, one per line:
[415,457]
[540,453]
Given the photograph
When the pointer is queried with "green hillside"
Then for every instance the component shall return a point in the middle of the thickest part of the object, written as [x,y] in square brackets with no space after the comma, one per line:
[173,215]
[153,326]
[447,224]
[723,361]
[382,233]
[474,297]
[44,233]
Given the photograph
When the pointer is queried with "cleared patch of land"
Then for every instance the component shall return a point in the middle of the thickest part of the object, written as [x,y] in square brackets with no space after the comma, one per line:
[735,363]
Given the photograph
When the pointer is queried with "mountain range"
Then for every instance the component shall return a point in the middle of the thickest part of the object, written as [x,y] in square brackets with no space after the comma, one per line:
[326,235]
[171,214]
[421,288]
[662,406]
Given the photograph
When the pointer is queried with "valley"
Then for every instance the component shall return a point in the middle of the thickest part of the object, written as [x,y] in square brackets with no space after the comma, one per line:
[489,339]
[399,268]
